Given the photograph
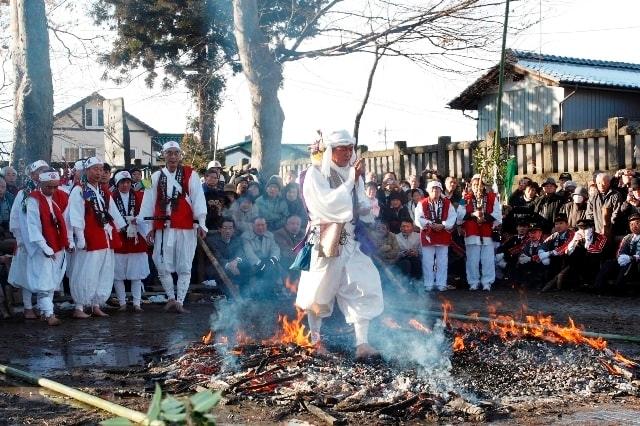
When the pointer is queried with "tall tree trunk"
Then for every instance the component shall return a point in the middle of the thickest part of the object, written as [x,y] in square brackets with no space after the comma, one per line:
[206,119]
[33,93]
[264,76]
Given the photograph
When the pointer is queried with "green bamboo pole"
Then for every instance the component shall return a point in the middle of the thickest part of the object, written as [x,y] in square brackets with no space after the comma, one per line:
[496,142]
[606,336]
[94,401]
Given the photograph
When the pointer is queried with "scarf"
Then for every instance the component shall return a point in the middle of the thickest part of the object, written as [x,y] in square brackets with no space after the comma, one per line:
[166,201]
[100,211]
[435,211]
[29,186]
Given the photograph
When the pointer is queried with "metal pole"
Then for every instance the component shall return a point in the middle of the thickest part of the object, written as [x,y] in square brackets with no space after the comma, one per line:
[496,142]
[118,410]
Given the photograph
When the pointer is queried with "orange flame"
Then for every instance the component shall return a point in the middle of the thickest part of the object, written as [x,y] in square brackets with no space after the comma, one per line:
[292,286]
[223,340]
[419,326]
[625,361]
[206,339]
[458,343]
[391,323]
[293,331]
[446,308]
[243,338]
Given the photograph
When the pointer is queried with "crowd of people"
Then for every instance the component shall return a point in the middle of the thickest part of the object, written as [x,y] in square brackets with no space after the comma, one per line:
[101,228]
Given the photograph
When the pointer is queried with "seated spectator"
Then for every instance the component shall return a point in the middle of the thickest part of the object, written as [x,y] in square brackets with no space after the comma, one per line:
[576,208]
[622,181]
[271,206]
[555,249]
[244,212]
[6,201]
[370,190]
[11,177]
[409,261]
[386,242]
[626,266]
[585,252]
[253,190]
[227,247]
[294,203]
[394,213]
[631,204]
[531,271]
[508,252]
[287,239]
[263,255]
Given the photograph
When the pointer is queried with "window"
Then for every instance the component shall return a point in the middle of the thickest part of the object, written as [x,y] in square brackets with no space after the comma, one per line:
[71,154]
[93,117]
[88,152]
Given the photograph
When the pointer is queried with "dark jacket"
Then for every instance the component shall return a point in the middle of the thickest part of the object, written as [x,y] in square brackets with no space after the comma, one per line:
[394,217]
[574,212]
[225,251]
[286,241]
[547,208]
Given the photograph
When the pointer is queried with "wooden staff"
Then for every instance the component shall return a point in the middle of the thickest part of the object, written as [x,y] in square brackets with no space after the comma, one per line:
[228,284]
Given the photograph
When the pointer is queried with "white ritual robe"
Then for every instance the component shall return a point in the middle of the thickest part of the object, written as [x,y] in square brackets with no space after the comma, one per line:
[132,266]
[351,278]
[92,276]
[18,227]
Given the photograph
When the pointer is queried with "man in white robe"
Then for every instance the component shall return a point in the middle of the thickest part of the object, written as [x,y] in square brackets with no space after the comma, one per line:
[178,207]
[339,271]
[18,227]
[95,220]
[48,243]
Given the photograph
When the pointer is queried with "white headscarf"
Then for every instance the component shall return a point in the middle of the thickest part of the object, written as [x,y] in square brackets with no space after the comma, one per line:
[335,138]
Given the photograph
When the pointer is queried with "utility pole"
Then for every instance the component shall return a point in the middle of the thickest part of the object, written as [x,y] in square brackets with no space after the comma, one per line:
[496,141]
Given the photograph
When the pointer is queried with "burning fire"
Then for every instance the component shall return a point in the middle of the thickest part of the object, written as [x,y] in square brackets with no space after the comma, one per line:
[208,338]
[458,343]
[292,286]
[391,323]
[419,326]
[293,331]
[446,308]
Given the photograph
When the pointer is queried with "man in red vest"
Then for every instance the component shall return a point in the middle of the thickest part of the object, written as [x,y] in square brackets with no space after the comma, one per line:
[95,220]
[48,240]
[131,262]
[436,218]
[478,213]
[177,204]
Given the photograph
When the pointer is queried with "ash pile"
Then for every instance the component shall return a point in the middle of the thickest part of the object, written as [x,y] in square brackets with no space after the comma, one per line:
[482,372]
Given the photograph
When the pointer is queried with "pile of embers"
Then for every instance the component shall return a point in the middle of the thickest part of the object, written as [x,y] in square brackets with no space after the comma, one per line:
[494,371]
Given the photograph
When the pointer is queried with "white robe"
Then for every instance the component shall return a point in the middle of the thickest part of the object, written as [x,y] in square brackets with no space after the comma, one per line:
[44,274]
[92,277]
[18,227]
[351,278]
[132,266]
[174,249]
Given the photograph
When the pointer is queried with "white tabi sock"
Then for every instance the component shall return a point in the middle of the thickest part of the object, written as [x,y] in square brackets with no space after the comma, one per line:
[118,285]
[361,328]
[183,287]
[315,322]
[136,292]
[167,285]
[26,299]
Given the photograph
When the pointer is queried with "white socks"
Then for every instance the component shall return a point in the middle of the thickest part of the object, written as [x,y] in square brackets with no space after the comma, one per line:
[315,323]
[362,331]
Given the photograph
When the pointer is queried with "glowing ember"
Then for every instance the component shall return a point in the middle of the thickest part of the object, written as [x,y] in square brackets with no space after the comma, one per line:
[293,331]
[243,338]
[292,286]
[419,326]
[625,361]
[208,338]
[458,343]
[391,323]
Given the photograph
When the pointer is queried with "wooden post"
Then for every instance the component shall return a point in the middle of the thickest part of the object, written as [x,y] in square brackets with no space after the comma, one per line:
[547,147]
[398,158]
[614,155]
[443,158]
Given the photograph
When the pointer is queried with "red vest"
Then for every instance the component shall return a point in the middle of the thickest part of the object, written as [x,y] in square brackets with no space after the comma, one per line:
[54,233]
[94,233]
[182,214]
[129,244]
[428,236]
[61,198]
[472,227]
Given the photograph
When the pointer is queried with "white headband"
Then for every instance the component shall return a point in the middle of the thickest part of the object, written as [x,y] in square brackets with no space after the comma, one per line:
[121,175]
[170,145]
[49,176]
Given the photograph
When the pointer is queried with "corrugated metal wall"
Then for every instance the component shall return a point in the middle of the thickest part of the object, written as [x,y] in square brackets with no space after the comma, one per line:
[525,111]
[590,109]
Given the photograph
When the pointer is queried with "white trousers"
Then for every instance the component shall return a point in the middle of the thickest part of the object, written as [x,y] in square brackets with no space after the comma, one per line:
[45,303]
[136,291]
[481,267]
[179,292]
[92,278]
[27,299]
[437,255]
[173,251]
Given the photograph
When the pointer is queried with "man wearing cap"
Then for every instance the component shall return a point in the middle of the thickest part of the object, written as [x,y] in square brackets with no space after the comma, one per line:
[334,195]
[95,220]
[49,238]
[18,226]
[478,213]
[215,165]
[436,217]
[555,249]
[177,204]
[131,261]
[531,269]
[625,267]
[548,205]
[564,178]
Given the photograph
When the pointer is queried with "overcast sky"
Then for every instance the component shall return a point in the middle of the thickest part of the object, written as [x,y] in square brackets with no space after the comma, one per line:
[407,102]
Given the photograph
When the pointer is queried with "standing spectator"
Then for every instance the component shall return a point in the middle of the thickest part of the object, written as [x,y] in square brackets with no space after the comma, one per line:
[228,249]
[604,206]
[523,209]
[371,177]
[390,185]
[414,182]
[6,201]
[244,214]
[105,178]
[394,213]
[11,177]
[409,262]
[211,187]
[564,178]
[517,197]
[567,190]
[294,203]
[576,209]
[416,196]
[215,166]
[271,206]
[263,255]
[548,205]
[136,180]
[622,181]
[214,198]
[287,238]
[241,187]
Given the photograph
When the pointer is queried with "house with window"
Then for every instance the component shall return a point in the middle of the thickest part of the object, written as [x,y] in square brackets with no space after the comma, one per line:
[234,154]
[540,89]
[78,132]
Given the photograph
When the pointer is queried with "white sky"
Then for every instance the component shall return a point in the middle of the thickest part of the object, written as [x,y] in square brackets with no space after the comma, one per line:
[406,100]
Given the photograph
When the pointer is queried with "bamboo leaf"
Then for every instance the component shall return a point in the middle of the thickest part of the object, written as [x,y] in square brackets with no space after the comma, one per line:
[176,418]
[172,405]
[116,421]
[154,408]
[205,400]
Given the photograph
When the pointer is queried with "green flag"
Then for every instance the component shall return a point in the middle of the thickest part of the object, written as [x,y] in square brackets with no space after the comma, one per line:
[510,173]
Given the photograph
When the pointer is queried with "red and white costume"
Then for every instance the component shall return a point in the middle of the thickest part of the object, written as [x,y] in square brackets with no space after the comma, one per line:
[435,244]
[182,200]
[95,220]
[48,235]
[131,261]
[481,268]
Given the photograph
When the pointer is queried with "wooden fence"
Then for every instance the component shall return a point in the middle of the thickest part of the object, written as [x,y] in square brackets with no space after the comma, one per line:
[552,152]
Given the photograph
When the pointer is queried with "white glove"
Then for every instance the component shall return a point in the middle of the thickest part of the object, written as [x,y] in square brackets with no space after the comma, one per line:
[524,259]
[546,261]
[544,255]
[71,245]
[48,251]
[624,260]
[80,243]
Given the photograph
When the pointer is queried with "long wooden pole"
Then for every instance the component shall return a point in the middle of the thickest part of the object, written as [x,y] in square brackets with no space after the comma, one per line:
[496,142]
